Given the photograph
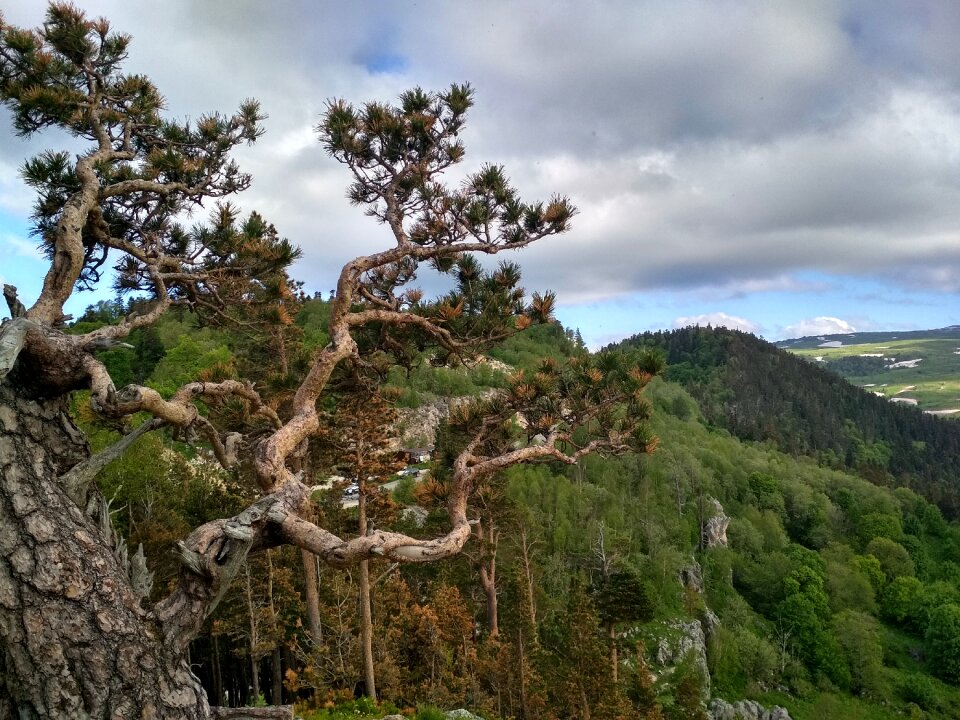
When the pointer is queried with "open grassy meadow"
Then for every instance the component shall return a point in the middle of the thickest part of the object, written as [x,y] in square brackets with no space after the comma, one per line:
[921,368]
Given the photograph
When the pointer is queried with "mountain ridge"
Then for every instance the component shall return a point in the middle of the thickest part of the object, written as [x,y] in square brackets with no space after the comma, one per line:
[760,392]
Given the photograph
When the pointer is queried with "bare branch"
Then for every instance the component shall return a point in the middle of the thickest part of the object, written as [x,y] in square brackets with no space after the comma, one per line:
[393,317]
[380,544]
[77,480]
[135,320]
[13,334]
[16,307]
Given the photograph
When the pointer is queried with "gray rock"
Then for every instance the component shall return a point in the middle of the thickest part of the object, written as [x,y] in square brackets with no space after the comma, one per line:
[710,622]
[461,714]
[691,576]
[745,710]
[416,514]
[680,641]
[715,529]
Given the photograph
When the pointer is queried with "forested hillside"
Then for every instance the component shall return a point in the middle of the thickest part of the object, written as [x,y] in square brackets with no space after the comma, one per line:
[759,392]
[211,501]
[832,597]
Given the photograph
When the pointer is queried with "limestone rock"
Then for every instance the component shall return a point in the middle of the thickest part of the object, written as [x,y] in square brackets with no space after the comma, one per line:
[710,622]
[745,710]
[418,426]
[680,641]
[691,576]
[415,514]
[462,714]
[715,529]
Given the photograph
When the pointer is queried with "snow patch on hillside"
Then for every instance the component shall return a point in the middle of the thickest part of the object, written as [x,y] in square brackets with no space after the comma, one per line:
[905,364]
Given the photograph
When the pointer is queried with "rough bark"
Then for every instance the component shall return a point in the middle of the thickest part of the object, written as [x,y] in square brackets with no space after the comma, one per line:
[366,614]
[488,575]
[74,639]
[254,641]
[312,596]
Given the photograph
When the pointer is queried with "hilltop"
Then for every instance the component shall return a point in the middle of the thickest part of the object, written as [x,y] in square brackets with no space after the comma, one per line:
[758,391]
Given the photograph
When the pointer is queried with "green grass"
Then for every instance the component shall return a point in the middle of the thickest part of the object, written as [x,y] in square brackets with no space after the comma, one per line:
[934,383]
[830,705]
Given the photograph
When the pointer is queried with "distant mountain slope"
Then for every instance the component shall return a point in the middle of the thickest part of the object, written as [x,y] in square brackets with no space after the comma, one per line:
[860,338]
[921,368]
[760,392]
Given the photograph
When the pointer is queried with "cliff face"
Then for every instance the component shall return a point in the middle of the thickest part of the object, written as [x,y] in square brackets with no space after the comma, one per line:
[417,427]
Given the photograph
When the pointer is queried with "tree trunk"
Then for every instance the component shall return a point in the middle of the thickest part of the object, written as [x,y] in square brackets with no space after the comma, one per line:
[523,673]
[312,596]
[255,678]
[614,658]
[525,547]
[366,613]
[218,693]
[488,575]
[366,632]
[277,664]
[488,580]
[254,641]
[74,638]
[276,697]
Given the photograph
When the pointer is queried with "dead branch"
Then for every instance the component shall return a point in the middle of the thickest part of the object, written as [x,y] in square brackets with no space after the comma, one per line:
[78,479]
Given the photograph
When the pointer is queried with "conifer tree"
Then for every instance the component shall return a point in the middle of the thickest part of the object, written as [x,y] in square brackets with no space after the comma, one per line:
[64,583]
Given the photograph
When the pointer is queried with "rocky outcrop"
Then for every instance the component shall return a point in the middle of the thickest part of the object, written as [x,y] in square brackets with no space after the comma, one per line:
[691,576]
[419,425]
[684,642]
[415,514]
[745,710]
[715,529]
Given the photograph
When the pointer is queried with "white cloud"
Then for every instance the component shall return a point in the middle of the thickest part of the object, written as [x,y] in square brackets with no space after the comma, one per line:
[724,149]
[718,319]
[823,325]
[22,248]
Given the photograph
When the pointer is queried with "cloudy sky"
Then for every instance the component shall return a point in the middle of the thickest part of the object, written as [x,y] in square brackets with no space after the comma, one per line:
[788,168]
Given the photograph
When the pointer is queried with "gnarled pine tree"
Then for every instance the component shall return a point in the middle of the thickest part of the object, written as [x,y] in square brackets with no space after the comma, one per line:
[78,636]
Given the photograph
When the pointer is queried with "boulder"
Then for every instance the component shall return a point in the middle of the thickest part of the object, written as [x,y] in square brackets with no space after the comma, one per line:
[415,514]
[462,714]
[745,710]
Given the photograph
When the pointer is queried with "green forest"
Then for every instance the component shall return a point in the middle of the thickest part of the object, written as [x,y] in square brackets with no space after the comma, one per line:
[835,593]
[224,497]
